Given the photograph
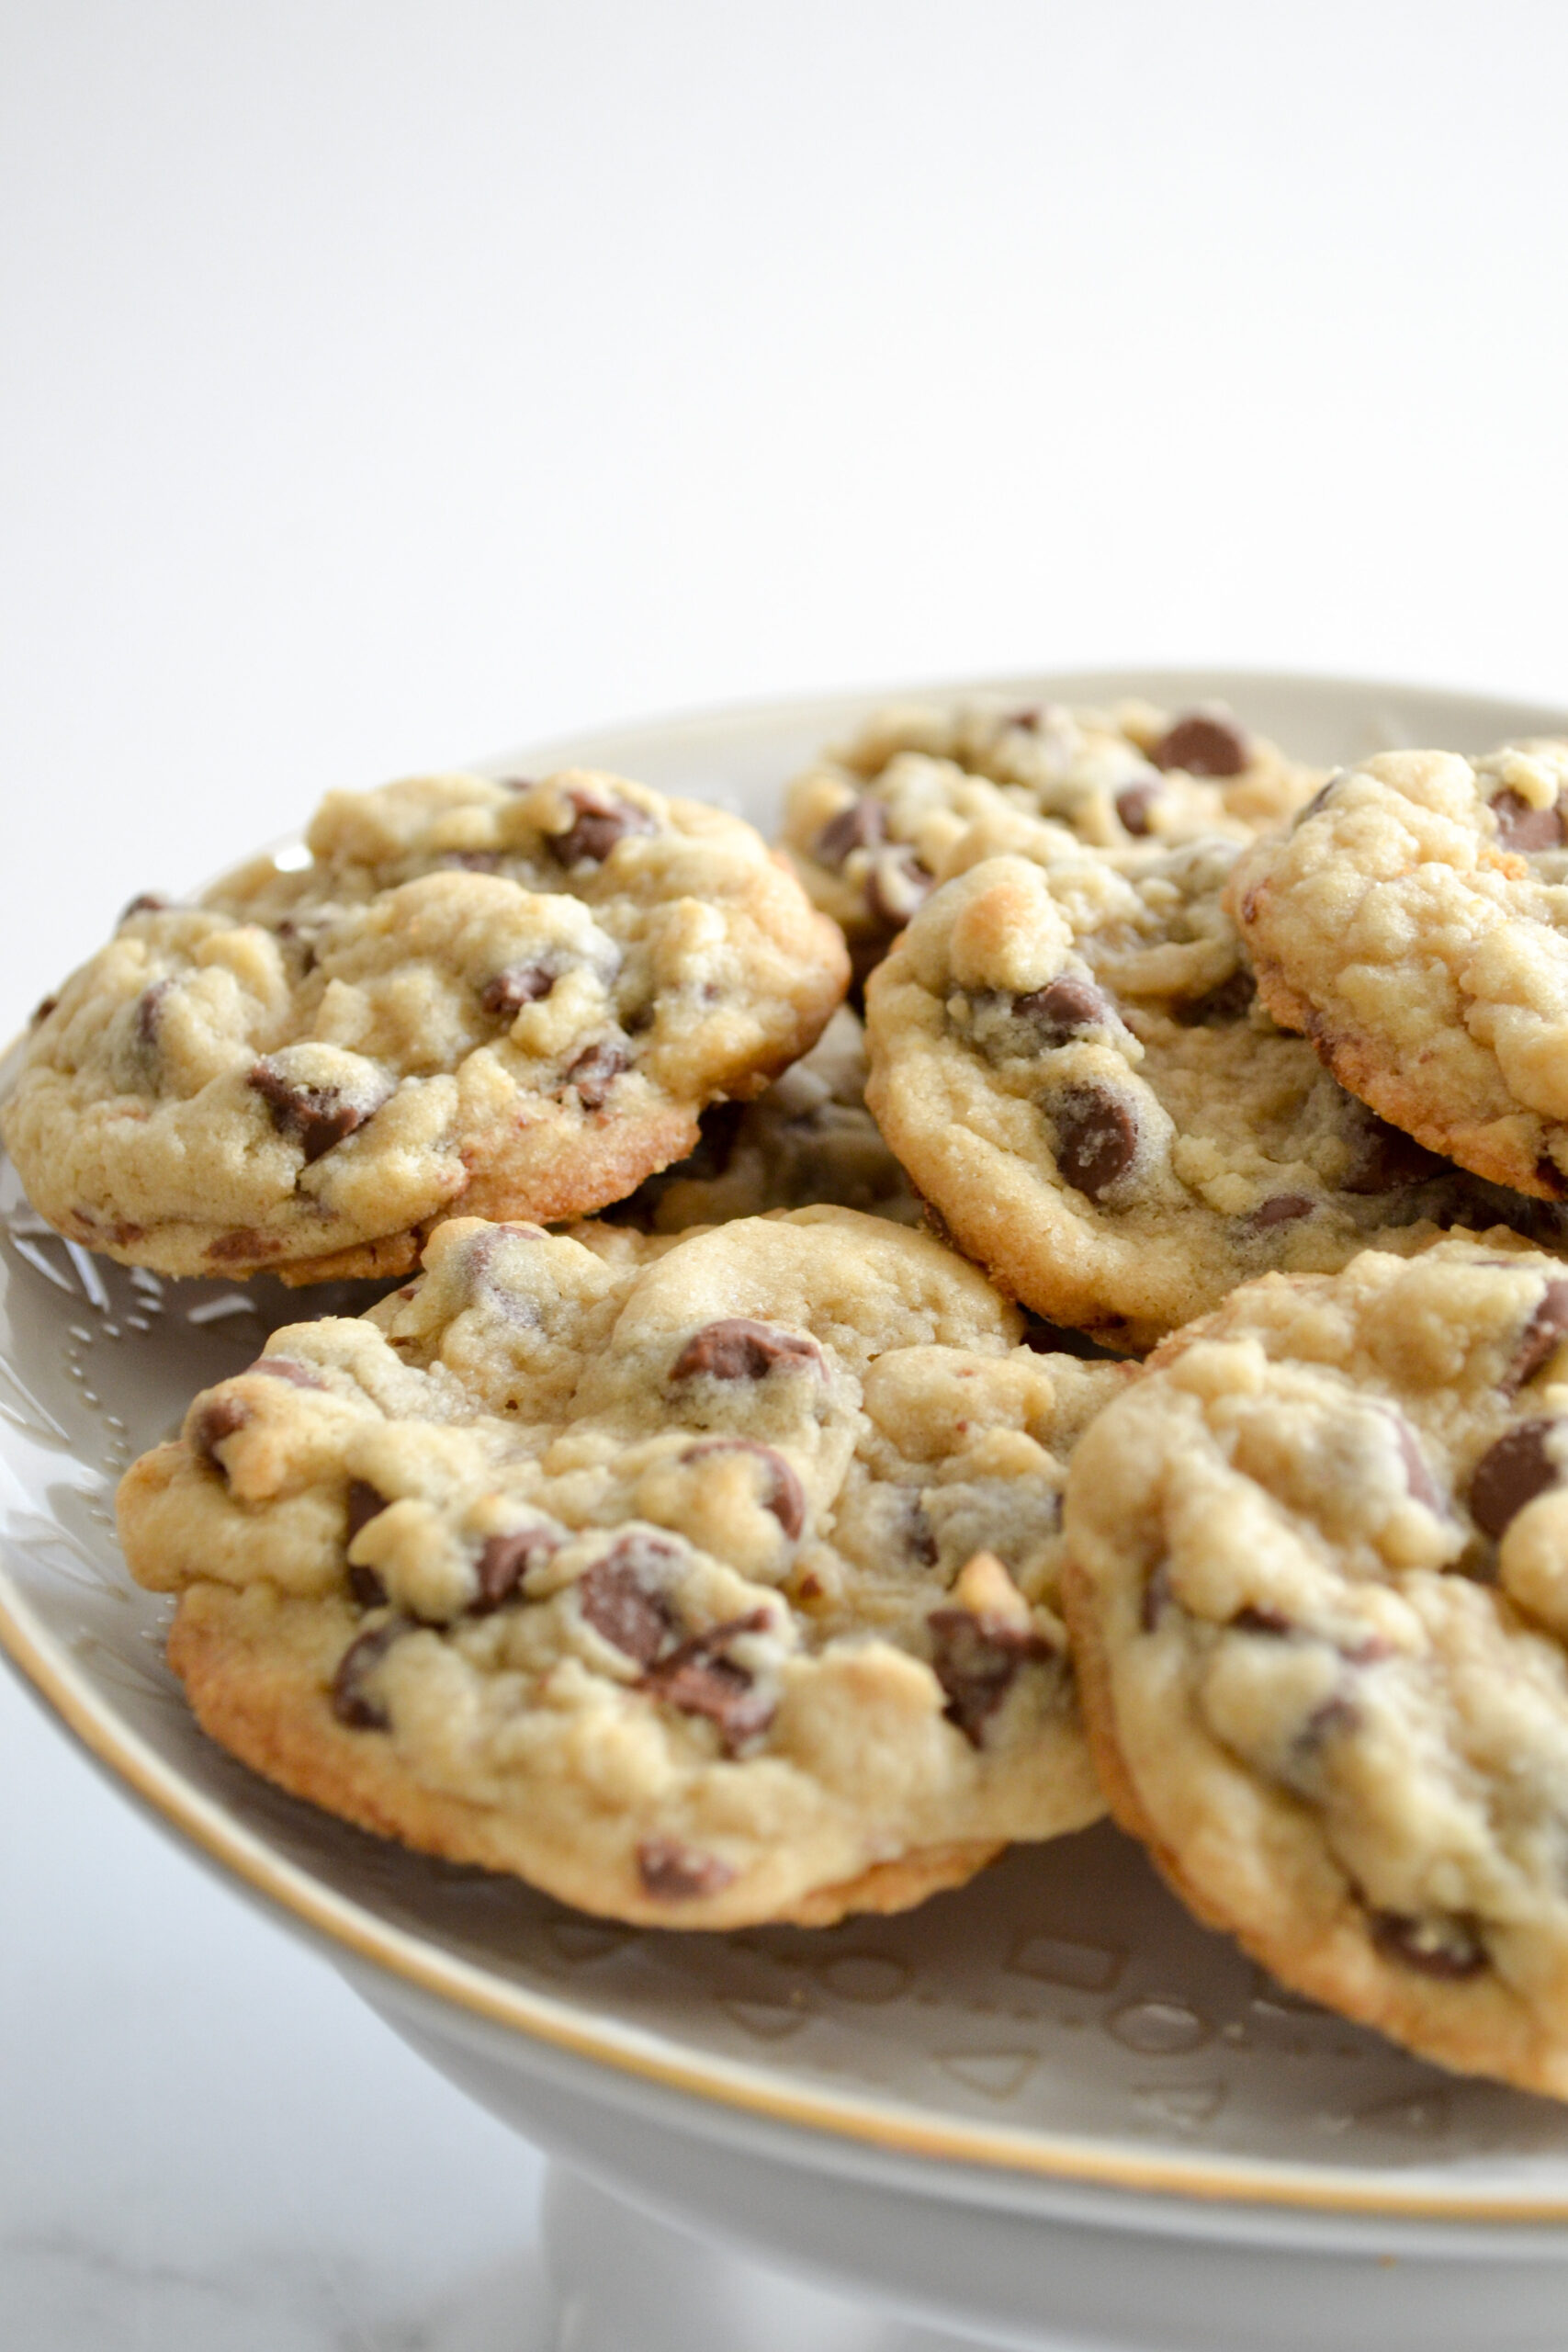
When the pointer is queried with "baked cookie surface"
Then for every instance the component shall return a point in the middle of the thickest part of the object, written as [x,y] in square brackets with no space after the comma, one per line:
[1414,924]
[1319,1598]
[513,999]
[1068,1058]
[712,1582]
[869,826]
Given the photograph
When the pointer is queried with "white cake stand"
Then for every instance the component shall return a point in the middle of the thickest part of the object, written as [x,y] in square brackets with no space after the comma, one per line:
[1046,2111]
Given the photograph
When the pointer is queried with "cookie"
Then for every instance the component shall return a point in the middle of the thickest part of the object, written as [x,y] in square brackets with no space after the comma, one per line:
[868,826]
[511,999]
[809,1138]
[1319,1597]
[709,1582]
[1415,925]
[1069,1060]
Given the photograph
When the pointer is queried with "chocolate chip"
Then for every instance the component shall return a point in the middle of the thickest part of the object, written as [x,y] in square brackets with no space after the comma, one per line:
[1028,719]
[1332,1719]
[1438,1945]
[351,1703]
[367,1586]
[519,985]
[148,902]
[1522,826]
[1511,1473]
[863,825]
[504,1561]
[519,783]
[42,1009]
[1134,805]
[149,1013]
[1062,1008]
[315,1117]
[214,1423]
[897,887]
[1546,1327]
[920,1539]
[1319,801]
[600,823]
[1419,1482]
[473,861]
[595,1070]
[1203,745]
[298,1375]
[365,1503]
[1250,1619]
[623,1598]
[1230,1001]
[700,1681]
[785,1497]
[675,1873]
[975,1659]
[738,1348]
[1548,1174]
[1097,1139]
[1158,1597]
[1282,1208]
[1385,1158]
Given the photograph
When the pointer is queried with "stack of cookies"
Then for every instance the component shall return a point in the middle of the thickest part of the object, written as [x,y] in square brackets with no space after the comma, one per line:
[750,1546]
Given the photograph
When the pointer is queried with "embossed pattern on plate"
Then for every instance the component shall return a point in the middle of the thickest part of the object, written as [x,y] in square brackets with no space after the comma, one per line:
[1064,1994]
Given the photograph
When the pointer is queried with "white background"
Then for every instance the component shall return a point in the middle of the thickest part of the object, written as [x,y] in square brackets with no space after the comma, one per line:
[387,383]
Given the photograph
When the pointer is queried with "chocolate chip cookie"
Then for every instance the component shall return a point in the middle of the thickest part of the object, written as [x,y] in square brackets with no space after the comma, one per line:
[868,826]
[1319,1598]
[1414,924]
[809,1138]
[1068,1057]
[711,1582]
[515,1000]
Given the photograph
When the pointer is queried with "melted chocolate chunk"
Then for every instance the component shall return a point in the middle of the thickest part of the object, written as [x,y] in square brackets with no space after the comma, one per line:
[351,1703]
[1250,1619]
[298,1375]
[1385,1158]
[1282,1208]
[148,1016]
[1202,744]
[1230,1001]
[519,985]
[623,1598]
[1546,1327]
[700,1679]
[897,887]
[504,1561]
[600,823]
[1097,1139]
[147,902]
[863,825]
[1062,1008]
[315,1117]
[1522,826]
[673,1873]
[367,1586]
[1511,1473]
[595,1070]
[214,1423]
[365,1503]
[785,1497]
[1134,806]
[976,1659]
[1440,1945]
[738,1348]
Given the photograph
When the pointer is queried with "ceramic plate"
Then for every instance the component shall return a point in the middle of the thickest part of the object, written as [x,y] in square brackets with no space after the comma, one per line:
[1060,2017]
